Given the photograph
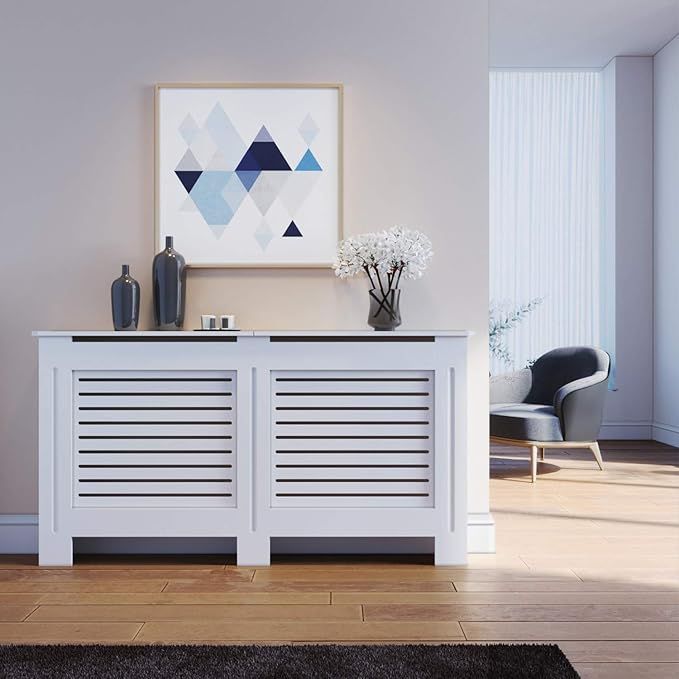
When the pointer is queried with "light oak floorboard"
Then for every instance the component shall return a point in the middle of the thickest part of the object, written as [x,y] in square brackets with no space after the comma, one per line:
[66,633]
[560,631]
[319,586]
[500,597]
[299,631]
[523,613]
[173,612]
[18,599]
[621,651]
[211,598]
[271,574]
[104,575]
[579,586]
[12,613]
[80,586]
[627,671]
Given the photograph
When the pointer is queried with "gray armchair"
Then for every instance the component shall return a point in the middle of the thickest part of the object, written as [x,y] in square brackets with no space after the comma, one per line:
[556,403]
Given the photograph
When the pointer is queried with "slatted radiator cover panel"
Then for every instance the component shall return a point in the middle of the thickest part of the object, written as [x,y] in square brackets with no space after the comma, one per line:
[352,438]
[154,439]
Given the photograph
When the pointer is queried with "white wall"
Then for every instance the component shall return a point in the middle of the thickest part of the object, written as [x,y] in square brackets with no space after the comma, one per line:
[666,246]
[77,170]
[628,92]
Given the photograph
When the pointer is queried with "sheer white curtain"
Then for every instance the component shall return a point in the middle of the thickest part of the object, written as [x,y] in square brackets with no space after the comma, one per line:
[546,208]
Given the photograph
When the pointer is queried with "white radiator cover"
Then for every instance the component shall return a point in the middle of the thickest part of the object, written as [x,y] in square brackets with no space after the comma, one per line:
[253,435]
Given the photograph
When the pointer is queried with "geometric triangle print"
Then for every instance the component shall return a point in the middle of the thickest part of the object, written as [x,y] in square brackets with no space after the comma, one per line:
[188,178]
[188,205]
[188,162]
[248,177]
[297,189]
[267,188]
[218,162]
[263,155]
[263,135]
[292,231]
[308,163]
[226,137]
[308,129]
[263,235]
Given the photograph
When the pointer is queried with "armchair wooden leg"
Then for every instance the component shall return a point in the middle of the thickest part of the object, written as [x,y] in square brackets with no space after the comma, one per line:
[534,463]
[594,447]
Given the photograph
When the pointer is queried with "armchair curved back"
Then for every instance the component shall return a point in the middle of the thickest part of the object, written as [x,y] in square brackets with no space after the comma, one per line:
[560,366]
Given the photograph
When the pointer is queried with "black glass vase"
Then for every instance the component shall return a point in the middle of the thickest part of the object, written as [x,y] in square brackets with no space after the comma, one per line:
[384,313]
[169,288]
[125,294]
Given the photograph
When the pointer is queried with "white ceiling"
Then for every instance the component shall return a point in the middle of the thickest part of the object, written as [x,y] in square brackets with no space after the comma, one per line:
[578,33]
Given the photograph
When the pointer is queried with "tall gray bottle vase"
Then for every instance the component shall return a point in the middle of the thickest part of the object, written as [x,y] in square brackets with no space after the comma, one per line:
[125,295]
[169,288]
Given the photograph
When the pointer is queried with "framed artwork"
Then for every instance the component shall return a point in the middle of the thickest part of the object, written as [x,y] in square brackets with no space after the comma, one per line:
[249,175]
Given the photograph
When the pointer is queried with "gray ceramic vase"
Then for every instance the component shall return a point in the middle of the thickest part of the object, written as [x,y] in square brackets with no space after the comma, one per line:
[385,313]
[169,288]
[125,295]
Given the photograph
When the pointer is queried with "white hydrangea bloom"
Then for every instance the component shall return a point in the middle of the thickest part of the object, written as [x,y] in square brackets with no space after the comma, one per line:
[385,256]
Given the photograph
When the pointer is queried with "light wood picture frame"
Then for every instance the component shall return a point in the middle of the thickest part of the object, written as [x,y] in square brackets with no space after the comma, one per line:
[249,175]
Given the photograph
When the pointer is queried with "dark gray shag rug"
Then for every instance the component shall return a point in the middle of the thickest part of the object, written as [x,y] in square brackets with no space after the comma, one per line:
[286,662]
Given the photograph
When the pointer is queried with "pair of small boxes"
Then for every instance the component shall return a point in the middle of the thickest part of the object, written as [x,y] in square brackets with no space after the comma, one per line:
[210,322]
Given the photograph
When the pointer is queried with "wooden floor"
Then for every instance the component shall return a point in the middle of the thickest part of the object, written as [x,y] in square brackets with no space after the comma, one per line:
[585,559]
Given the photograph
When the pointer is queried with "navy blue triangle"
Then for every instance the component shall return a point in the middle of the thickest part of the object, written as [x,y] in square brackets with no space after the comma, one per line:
[188,178]
[263,155]
[292,230]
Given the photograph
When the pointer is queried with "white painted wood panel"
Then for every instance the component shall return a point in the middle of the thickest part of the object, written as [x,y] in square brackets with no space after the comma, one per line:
[317,427]
[120,473]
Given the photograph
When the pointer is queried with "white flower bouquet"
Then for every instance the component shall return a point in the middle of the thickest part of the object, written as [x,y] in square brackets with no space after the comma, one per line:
[385,257]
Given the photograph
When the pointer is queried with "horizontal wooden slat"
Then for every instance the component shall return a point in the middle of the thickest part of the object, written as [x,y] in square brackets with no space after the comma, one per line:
[192,459]
[154,401]
[165,386]
[411,431]
[188,487]
[138,473]
[170,430]
[97,446]
[323,474]
[169,415]
[347,401]
[349,446]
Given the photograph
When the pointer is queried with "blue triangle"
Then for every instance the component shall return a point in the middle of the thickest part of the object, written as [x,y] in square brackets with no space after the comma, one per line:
[263,155]
[263,135]
[308,163]
[188,178]
[292,231]
[247,177]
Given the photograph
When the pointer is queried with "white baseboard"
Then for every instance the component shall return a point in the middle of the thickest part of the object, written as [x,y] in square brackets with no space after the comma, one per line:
[19,535]
[481,534]
[666,433]
[626,431]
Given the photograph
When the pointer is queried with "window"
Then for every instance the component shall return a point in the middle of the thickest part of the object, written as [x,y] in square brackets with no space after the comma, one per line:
[547,234]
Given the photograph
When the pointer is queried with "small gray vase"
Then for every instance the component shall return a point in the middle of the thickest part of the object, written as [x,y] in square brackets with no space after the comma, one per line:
[384,313]
[125,295]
